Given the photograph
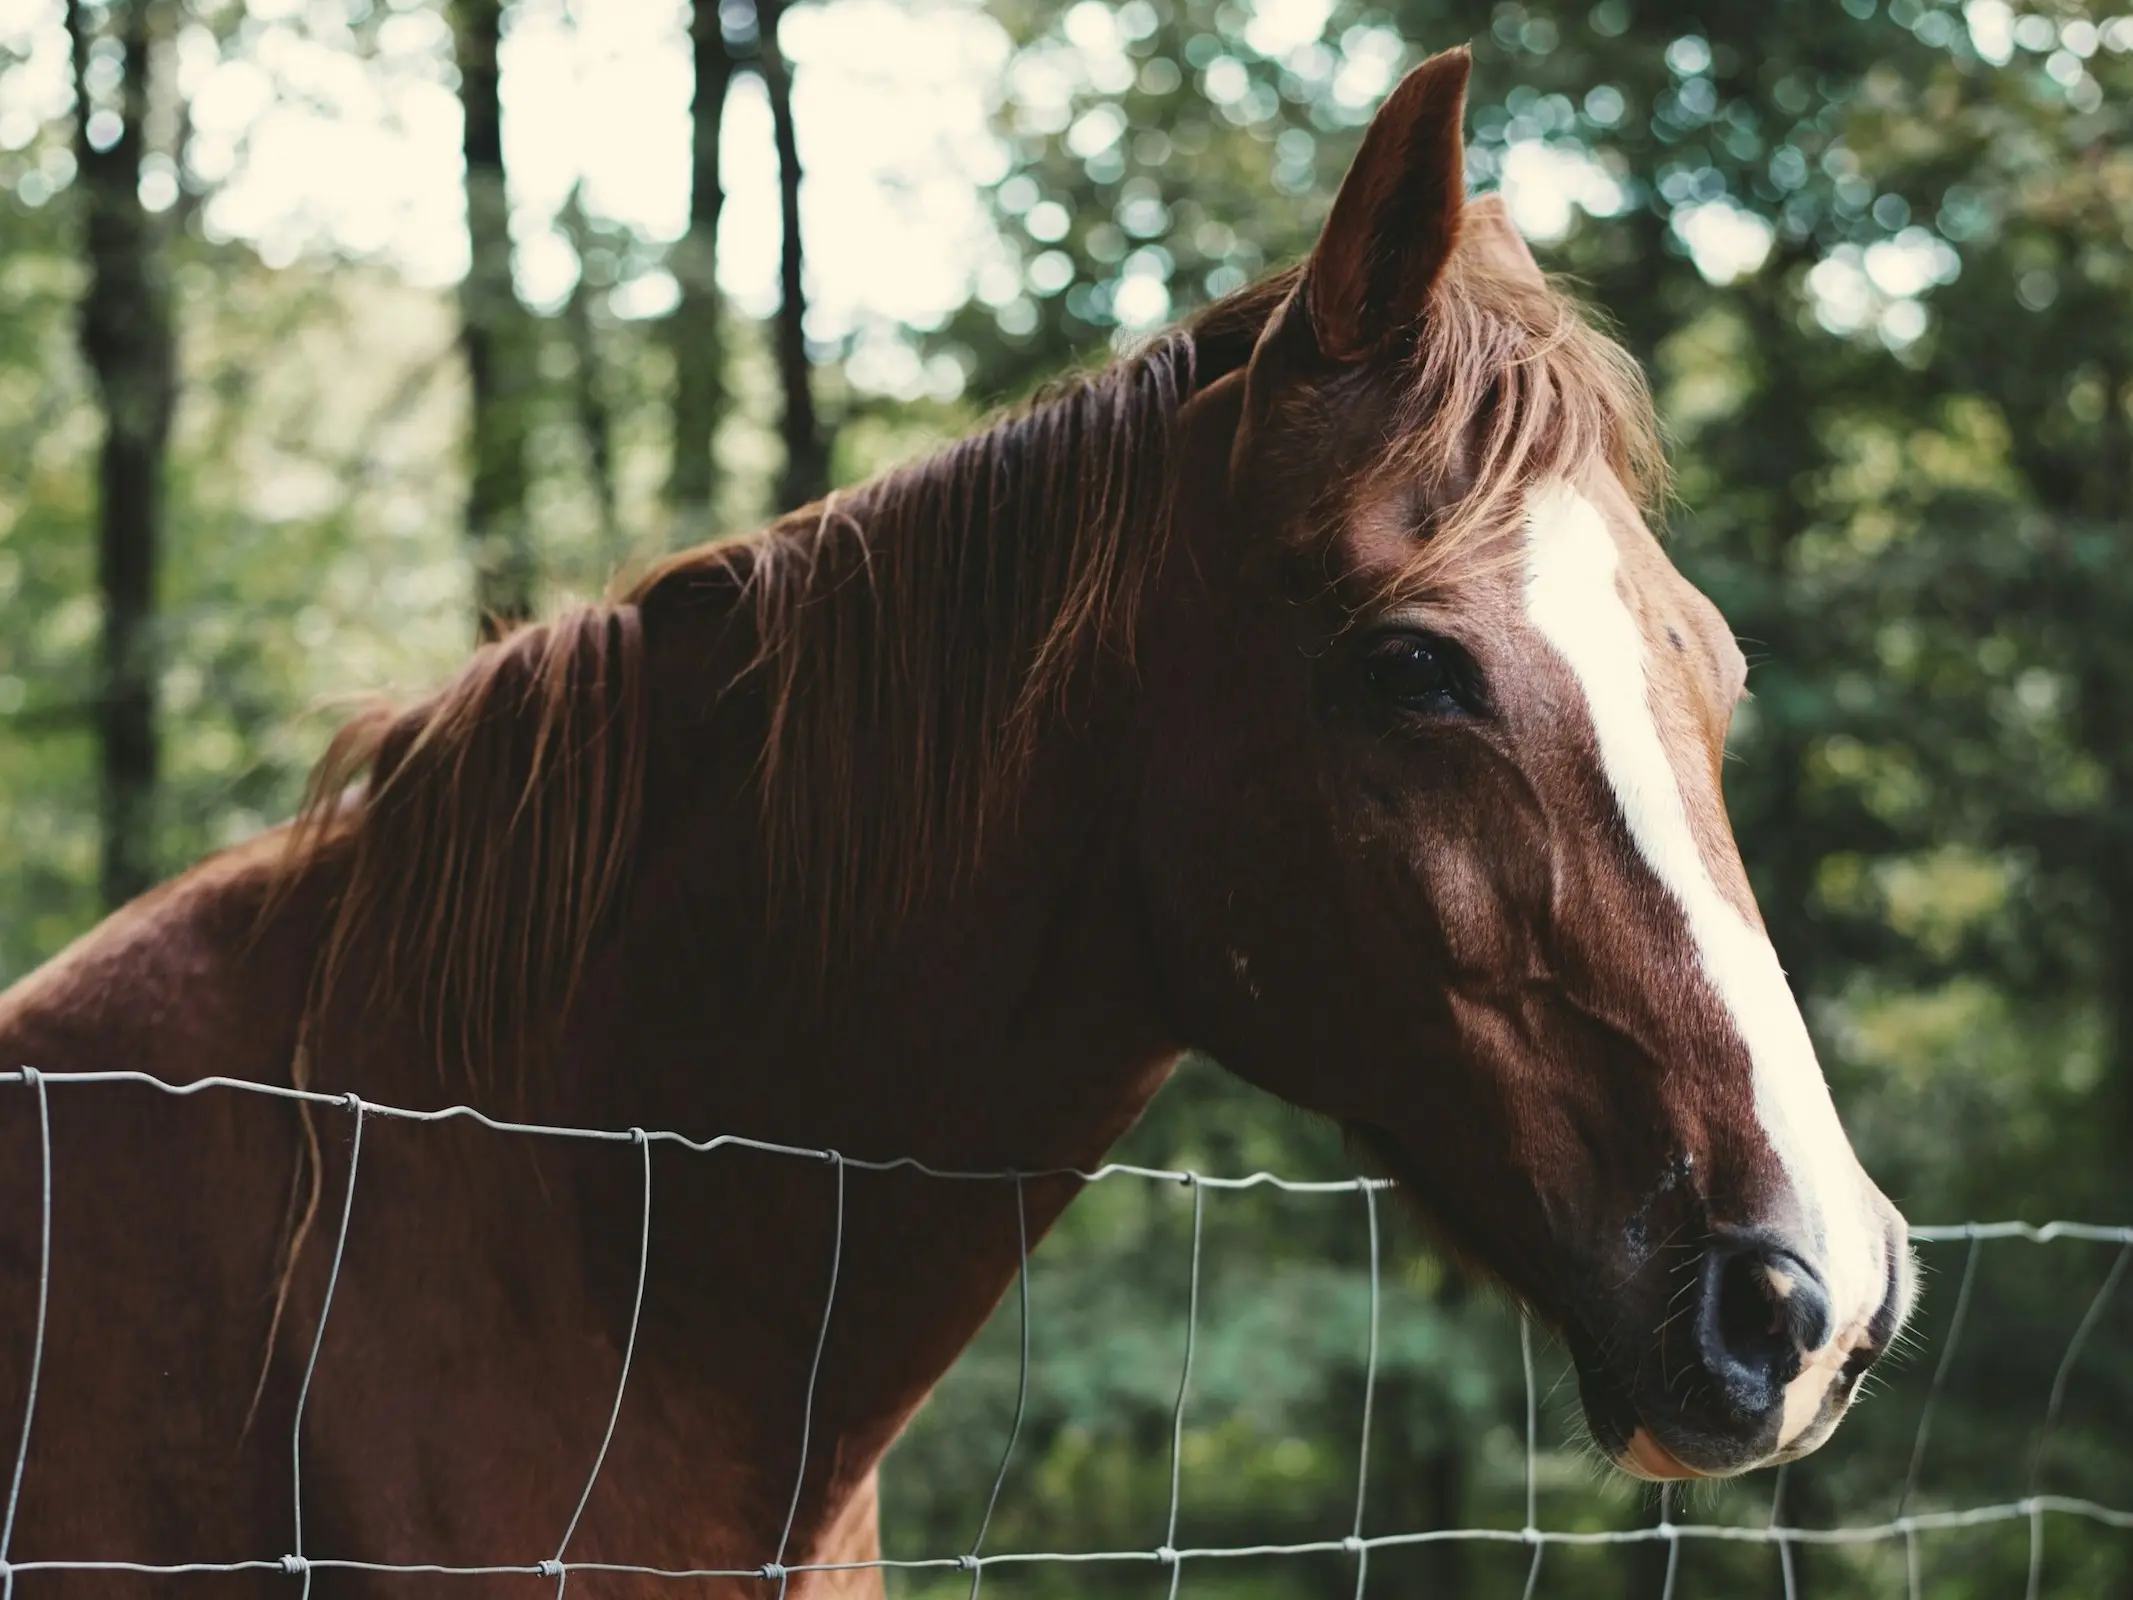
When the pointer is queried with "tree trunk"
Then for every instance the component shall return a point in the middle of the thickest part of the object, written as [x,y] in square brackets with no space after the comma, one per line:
[693,331]
[497,336]
[128,341]
[596,421]
[806,475]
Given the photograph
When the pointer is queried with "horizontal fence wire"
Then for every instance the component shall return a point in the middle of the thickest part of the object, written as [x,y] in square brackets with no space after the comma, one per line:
[1906,1525]
[724,1141]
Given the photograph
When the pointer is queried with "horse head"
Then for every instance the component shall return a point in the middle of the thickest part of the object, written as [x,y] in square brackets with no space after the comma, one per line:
[1433,833]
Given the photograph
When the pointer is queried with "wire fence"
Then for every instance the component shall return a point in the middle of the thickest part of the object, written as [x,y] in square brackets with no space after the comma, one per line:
[2035,1508]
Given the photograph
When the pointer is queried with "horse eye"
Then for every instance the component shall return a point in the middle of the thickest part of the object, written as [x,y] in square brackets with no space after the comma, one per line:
[1414,671]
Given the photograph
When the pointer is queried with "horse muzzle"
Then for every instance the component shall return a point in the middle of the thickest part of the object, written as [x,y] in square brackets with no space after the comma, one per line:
[1752,1363]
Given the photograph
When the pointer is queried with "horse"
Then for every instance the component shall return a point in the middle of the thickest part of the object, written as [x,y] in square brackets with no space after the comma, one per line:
[1305,687]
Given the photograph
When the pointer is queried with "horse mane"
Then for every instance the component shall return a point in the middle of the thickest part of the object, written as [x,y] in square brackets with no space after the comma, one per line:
[919,632]
[485,833]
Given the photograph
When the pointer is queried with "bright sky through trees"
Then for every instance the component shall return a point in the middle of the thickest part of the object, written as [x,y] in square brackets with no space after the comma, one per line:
[310,145]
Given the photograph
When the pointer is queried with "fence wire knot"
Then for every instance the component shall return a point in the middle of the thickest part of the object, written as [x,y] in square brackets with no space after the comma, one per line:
[551,1568]
[30,1077]
[1352,1545]
[295,1566]
[966,1563]
[1166,1555]
[771,1572]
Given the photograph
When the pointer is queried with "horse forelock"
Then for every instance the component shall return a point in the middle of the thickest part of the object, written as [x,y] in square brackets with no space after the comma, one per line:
[1511,385]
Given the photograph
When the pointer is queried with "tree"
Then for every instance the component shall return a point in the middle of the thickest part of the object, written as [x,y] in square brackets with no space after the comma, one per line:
[497,336]
[589,386]
[694,334]
[128,340]
[806,474]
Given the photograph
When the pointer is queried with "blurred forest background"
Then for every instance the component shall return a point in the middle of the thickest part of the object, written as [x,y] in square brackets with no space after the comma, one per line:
[327,326]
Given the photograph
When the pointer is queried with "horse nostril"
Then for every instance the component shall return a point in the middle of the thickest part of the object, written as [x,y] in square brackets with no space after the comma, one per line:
[1762,1309]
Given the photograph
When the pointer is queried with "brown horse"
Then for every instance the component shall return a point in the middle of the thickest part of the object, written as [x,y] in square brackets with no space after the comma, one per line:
[1305,689]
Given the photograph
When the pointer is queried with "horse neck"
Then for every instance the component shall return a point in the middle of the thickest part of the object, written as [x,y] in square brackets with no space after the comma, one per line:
[895,863]
[1006,1019]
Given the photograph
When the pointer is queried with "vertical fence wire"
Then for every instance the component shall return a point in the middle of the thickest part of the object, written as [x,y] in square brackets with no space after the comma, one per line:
[1014,1428]
[1532,1528]
[1169,1551]
[1913,1577]
[2082,1330]
[629,1354]
[1777,1528]
[1370,1395]
[777,1569]
[1956,1320]
[296,1564]
[35,1080]
[1673,1540]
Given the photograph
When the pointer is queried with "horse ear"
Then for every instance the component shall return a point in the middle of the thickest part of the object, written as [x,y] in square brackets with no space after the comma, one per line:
[1397,216]
[1490,234]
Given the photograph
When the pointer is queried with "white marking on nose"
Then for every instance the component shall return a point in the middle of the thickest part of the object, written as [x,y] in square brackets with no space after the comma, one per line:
[1573,600]
[1821,1372]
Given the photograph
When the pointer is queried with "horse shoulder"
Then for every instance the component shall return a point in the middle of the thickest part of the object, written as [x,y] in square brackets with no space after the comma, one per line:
[166,1216]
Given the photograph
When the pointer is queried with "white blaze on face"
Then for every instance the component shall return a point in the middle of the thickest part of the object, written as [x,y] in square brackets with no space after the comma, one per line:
[1574,601]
